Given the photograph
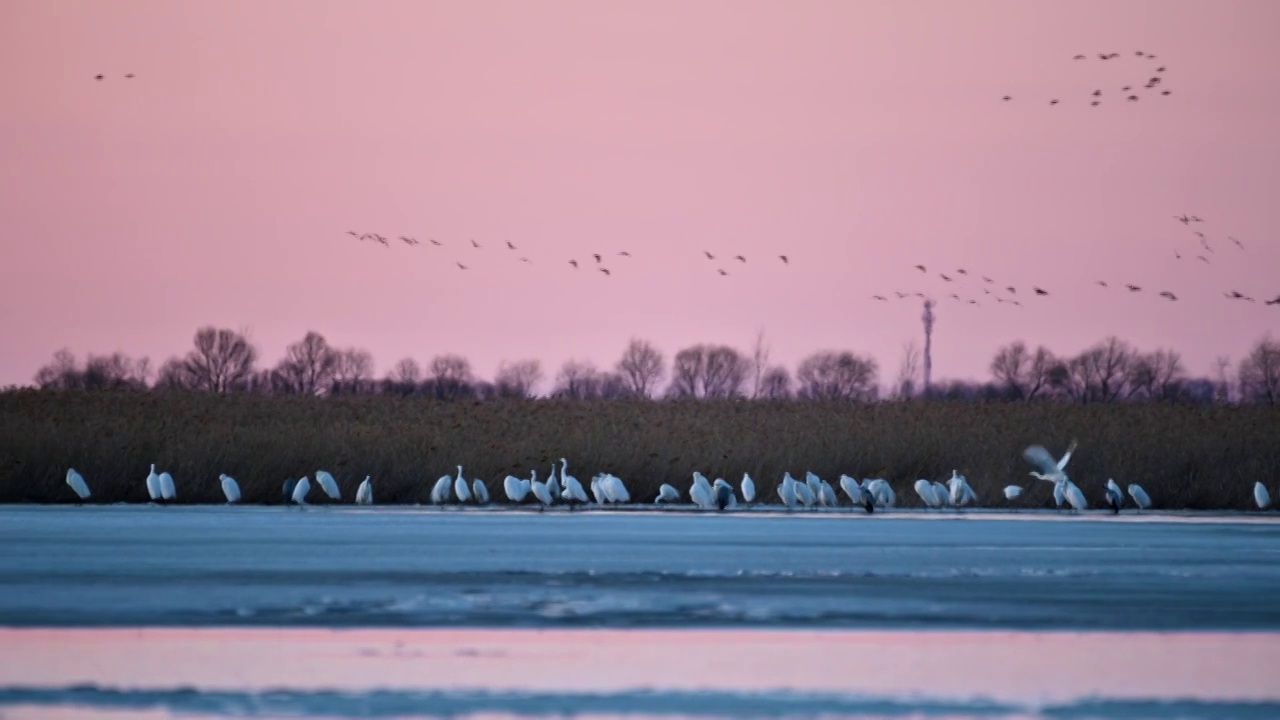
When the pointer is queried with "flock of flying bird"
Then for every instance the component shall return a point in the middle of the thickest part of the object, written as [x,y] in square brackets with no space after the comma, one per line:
[608,489]
[1155,80]
[1008,294]
[573,262]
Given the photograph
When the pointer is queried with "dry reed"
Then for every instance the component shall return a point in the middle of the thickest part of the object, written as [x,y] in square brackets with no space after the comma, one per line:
[1197,457]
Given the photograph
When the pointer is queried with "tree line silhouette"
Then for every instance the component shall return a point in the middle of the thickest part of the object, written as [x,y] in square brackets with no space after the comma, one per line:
[226,361]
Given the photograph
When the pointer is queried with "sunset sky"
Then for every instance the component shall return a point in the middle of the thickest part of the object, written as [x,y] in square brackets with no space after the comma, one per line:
[859,138]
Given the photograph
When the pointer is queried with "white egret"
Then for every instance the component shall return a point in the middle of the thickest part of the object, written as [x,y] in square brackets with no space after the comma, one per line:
[961,492]
[230,488]
[667,493]
[153,484]
[300,491]
[77,483]
[460,487]
[748,489]
[597,490]
[617,489]
[1012,492]
[541,490]
[881,492]
[565,477]
[943,494]
[856,494]
[1140,496]
[167,489]
[1050,469]
[440,493]
[552,486]
[517,488]
[1115,498]
[828,494]
[572,492]
[925,490]
[480,490]
[1261,496]
[1073,495]
[701,492]
[328,485]
[787,491]
[805,493]
[814,483]
[364,493]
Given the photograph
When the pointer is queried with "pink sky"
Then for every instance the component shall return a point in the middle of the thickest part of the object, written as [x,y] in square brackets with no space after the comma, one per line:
[859,138]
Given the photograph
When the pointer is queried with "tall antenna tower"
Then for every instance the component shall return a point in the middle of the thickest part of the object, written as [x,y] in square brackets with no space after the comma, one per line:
[928,344]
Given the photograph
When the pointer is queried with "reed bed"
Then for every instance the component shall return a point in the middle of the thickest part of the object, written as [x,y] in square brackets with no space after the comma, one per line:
[1186,456]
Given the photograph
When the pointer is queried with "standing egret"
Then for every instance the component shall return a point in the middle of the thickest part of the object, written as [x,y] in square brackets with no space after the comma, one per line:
[748,489]
[230,488]
[701,492]
[667,493]
[517,489]
[328,485]
[1115,498]
[460,487]
[943,494]
[1261,496]
[881,492]
[805,493]
[153,484]
[572,492]
[961,492]
[828,494]
[167,489]
[597,489]
[617,490]
[851,488]
[541,490]
[814,483]
[1140,496]
[787,491]
[364,493]
[480,490]
[1012,492]
[300,491]
[1073,495]
[565,477]
[553,487]
[724,496]
[77,484]
[925,490]
[440,493]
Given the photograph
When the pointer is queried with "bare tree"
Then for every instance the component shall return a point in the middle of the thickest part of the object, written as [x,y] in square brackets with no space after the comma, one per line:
[352,371]
[63,373]
[450,377]
[640,367]
[759,364]
[517,379]
[1156,375]
[116,371]
[578,380]
[1100,373]
[776,384]
[1023,374]
[308,366]
[1259,373]
[613,386]
[830,375]
[905,385]
[708,371]
[221,361]
[404,378]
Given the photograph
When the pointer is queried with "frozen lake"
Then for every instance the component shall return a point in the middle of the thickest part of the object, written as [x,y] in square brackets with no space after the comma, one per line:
[333,567]
[214,612]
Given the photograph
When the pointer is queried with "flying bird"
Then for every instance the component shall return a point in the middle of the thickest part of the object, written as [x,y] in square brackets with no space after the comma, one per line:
[1160,69]
[1182,219]
[461,266]
[1053,102]
[921,268]
[709,255]
[1039,291]
[1006,98]
[510,246]
[987,279]
[526,260]
[604,270]
[1103,283]
[128,75]
[962,271]
[944,277]
[435,242]
[624,253]
[474,243]
[1274,302]
[1133,288]
[739,257]
[597,257]
[354,234]
[1167,294]
[98,76]
[784,259]
[1237,242]
[1133,98]
[721,271]
[1011,290]
[1203,259]
[574,263]
[1167,92]
[1078,57]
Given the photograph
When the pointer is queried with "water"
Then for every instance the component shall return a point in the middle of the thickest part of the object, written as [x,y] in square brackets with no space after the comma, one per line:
[423,613]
